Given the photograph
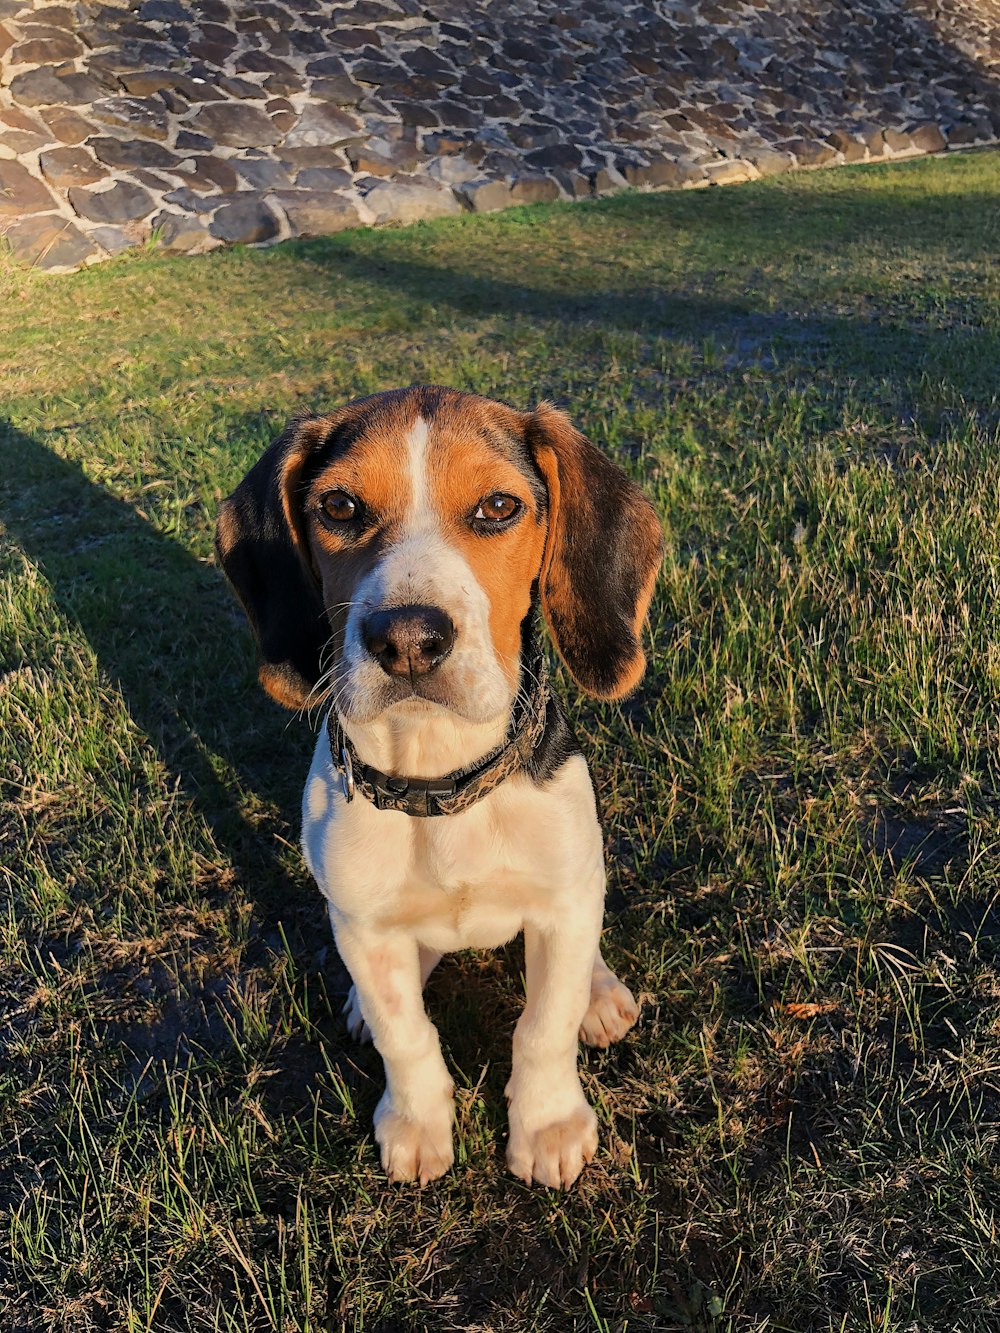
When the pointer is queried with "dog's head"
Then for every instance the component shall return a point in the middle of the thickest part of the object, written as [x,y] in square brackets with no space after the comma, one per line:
[390,554]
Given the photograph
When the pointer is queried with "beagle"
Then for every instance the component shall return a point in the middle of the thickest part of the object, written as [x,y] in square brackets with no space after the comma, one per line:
[392,558]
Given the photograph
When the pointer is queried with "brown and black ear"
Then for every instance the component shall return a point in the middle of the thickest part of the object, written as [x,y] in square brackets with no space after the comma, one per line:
[261,546]
[602,552]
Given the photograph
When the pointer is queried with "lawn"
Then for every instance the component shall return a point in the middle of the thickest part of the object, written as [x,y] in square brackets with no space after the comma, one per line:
[802,803]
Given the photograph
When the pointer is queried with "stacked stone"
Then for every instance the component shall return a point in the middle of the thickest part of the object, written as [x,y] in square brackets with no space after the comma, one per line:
[205,122]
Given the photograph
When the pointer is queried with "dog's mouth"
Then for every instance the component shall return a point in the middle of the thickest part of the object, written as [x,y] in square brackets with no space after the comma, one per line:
[362,700]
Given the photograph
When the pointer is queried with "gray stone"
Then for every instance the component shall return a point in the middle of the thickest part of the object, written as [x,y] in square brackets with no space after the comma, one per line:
[323,178]
[40,87]
[340,89]
[261,173]
[181,233]
[20,192]
[234,124]
[326,126]
[130,153]
[245,221]
[124,202]
[409,201]
[771,163]
[317,213]
[730,172]
[48,242]
[453,170]
[112,239]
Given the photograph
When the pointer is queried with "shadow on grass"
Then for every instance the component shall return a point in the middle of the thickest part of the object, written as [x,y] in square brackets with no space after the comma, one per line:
[166,631]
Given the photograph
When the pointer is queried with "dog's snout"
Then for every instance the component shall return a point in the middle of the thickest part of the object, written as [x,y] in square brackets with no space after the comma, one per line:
[409,640]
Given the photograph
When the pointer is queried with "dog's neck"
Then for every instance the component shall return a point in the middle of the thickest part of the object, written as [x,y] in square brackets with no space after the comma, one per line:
[424,742]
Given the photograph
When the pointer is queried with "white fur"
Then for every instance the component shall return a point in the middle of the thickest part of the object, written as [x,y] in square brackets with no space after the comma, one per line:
[402,891]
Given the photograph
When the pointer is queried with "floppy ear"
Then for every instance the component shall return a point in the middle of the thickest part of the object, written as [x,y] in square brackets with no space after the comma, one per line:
[602,551]
[262,549]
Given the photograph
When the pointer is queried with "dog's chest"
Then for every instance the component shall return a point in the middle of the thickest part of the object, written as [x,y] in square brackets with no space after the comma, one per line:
[454,881]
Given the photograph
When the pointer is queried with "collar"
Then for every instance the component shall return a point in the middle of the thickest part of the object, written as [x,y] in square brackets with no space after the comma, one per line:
[458,790]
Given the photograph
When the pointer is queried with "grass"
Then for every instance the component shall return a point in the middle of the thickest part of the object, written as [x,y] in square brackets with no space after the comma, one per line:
[802,803]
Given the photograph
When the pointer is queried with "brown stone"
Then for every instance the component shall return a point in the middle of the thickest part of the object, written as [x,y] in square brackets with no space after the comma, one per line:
[897,142]
[12,117]
[660,174]
[235,125]
[20,192]
[392,158]
[66,126]
[928,138]
[46,50]
[146,82]
[63,167]
[811,152]
[210,173]
[852,150]
[140,115]
[122,203]
[533,189]
[317,213]
[486,196]
[48,242]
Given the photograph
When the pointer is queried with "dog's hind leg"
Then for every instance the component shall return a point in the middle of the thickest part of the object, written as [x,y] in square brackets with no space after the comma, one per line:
[612,1010]
[356,1025]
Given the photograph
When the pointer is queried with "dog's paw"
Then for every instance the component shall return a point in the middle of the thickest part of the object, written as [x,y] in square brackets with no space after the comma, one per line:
[612,1012]
[553,1154]
[356,1025]
[414,1149]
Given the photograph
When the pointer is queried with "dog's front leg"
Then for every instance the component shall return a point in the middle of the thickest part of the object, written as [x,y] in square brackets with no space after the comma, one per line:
[553,1129]
[413,1120]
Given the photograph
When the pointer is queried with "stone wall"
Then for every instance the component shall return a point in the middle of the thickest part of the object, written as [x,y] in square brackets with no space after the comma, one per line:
[207,122]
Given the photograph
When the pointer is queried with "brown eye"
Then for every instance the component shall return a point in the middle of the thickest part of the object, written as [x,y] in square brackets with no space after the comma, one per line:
[339,507]
[497,508]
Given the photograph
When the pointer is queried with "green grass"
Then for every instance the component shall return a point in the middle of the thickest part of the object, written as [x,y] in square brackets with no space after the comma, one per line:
[802,803]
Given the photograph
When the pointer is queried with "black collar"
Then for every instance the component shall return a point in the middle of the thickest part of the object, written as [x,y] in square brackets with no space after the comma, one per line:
[465,786]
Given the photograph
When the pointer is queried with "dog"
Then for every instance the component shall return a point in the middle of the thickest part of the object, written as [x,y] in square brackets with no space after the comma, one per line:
[392,558]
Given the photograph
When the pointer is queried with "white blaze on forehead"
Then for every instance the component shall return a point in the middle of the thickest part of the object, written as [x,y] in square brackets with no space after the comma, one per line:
[422,565]
[421,512]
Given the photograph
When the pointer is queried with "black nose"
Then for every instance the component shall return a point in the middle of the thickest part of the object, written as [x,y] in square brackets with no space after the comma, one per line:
[409,640]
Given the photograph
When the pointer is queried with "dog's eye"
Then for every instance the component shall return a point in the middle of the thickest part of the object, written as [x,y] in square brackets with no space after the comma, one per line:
[340,507]
[497,508]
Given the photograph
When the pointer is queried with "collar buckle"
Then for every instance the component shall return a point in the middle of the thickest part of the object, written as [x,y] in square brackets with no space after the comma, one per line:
[346,770]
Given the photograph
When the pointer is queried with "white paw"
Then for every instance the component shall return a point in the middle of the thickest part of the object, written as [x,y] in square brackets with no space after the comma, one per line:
[414,1149]
[552,1154]
[612,1012]
[356,1025]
